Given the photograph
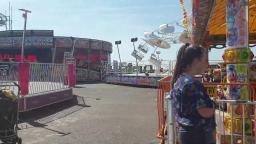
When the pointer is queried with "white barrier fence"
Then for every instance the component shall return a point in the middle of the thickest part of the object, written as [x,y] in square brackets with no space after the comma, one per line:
[129,67]
[47,77]
[43,77]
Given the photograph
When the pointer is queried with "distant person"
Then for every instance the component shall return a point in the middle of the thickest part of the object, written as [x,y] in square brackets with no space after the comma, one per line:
[161,70]
[193,109]
[146,74]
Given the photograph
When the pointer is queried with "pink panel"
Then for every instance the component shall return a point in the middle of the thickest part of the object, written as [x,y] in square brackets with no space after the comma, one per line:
[24,78]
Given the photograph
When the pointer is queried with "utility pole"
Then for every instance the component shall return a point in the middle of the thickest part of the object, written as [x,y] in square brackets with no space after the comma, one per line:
[24,15]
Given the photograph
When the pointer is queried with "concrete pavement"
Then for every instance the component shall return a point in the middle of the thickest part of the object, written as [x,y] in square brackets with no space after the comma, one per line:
[111,114]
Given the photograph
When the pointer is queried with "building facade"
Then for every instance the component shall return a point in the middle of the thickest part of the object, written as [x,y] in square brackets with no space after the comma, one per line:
[43,47]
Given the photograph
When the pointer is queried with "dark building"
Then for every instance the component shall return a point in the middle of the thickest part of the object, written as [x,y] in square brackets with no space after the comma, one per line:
[43,47]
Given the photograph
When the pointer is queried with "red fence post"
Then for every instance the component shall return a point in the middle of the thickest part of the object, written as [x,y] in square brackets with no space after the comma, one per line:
[24,78]
[71,75]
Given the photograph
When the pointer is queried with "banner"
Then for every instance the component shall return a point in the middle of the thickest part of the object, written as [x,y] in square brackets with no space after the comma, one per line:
[30,58]
[30,42]
[19,33]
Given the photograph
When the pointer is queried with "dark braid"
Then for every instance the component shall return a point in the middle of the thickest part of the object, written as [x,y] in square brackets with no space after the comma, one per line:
[185,57]
[178,68]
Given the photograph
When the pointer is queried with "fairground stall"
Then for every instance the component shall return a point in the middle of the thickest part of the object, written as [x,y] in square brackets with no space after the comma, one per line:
[231,25]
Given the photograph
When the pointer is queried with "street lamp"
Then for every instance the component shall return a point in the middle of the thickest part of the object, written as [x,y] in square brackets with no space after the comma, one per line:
[73,46]
[118,43]
[24,15]
[133,40]
[54,51]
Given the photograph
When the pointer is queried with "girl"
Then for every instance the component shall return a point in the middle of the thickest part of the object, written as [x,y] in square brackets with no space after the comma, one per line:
[193,109]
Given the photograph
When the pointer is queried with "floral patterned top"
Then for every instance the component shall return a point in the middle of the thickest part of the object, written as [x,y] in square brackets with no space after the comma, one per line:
[188,95]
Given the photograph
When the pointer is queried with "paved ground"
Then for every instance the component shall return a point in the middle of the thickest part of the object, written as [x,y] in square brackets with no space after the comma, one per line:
[111,114]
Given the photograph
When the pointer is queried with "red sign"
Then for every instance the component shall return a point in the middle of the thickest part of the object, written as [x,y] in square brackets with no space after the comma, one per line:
[30,58]
[92,58]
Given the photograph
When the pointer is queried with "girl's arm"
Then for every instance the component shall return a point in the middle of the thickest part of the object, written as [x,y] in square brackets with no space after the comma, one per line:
[206,112]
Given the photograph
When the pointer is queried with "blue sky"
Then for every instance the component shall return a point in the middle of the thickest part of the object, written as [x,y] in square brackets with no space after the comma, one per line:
[108,20]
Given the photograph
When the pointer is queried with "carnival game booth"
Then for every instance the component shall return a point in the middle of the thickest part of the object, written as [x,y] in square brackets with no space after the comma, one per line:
[228,24]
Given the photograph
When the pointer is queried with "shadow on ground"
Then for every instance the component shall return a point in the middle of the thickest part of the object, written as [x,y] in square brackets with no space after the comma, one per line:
[137,86]
[89,82]
[41,117]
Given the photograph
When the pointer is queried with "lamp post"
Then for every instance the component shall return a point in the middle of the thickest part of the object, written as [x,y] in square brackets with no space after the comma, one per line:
[117,43]
[54,51]
[133,40]
[24,15]
[73,46]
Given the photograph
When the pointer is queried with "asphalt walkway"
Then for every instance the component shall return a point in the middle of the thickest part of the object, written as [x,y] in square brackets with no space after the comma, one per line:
[99,114]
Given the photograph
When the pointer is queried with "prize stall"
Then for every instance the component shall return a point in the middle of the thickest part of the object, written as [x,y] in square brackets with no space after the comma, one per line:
[228,25]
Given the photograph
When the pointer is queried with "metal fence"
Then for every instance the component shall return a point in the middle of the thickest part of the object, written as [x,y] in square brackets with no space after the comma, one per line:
[129,67]
[47,77]
[235,119]
[43,77]
[235,122]
[9,71]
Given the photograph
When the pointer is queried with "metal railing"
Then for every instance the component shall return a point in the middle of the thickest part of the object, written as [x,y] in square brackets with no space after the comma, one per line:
[232,128]
[46,77]
[235,119]
[9,71]
[125,69]
[236,124]
[43,77]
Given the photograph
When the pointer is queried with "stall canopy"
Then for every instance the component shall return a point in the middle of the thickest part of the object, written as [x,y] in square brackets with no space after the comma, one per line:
[215,30]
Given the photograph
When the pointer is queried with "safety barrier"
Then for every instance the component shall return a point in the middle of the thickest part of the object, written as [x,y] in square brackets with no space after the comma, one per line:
[47,77]
[236,124]
[163,90]
[9,71]
[36,78]
[8,75]
[231,127]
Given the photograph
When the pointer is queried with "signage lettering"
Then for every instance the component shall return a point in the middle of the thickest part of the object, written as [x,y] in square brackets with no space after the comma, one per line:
[30,58]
